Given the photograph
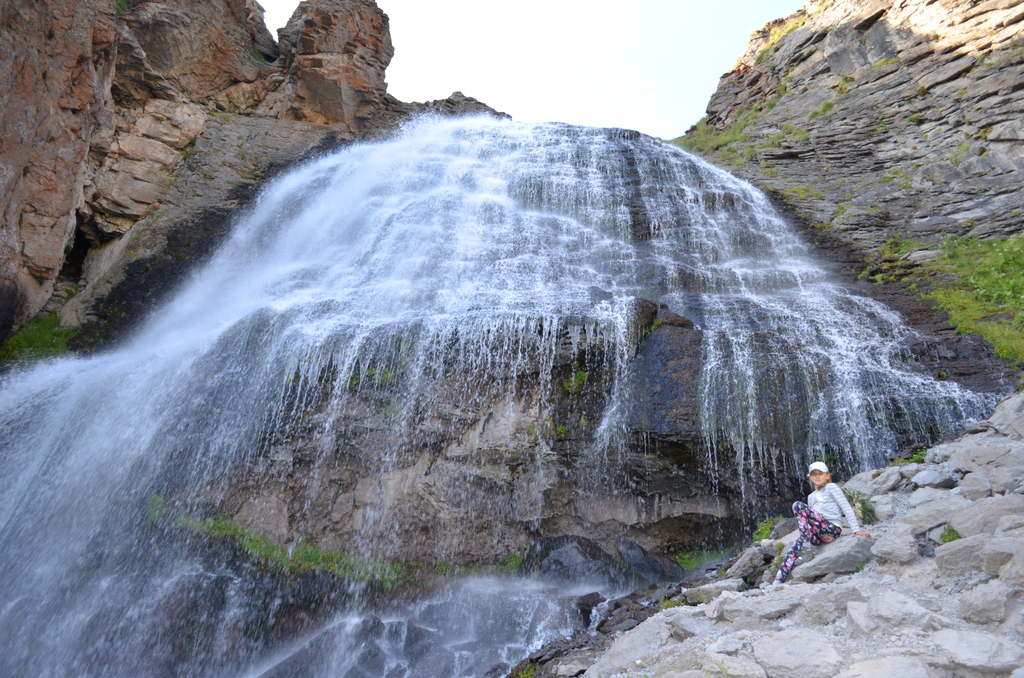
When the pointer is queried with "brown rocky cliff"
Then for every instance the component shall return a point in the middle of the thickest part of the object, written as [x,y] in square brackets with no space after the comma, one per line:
[881,118]
[56,62]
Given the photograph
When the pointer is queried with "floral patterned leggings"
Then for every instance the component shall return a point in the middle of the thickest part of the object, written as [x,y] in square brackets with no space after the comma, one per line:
[813,529]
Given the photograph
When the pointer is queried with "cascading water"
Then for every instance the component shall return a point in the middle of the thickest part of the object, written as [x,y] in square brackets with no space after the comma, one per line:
[418,308]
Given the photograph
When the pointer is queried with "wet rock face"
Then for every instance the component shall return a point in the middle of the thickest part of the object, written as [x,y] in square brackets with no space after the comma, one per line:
[909,109]
[55,73]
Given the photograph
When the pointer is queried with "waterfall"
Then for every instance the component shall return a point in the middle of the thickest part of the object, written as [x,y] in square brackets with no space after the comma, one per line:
[443,322]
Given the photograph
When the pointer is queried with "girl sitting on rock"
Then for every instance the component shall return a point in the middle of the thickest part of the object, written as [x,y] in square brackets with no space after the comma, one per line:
[821,521]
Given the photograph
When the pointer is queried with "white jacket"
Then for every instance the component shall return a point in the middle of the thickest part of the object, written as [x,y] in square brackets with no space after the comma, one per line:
[831,504]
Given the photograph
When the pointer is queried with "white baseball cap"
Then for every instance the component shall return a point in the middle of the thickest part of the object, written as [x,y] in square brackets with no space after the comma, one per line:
[817,466]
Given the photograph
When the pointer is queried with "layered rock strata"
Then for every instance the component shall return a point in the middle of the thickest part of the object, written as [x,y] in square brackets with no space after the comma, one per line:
[936,592]
[880,118]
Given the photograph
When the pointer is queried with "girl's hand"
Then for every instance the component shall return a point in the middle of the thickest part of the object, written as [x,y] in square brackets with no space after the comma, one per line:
[864,534]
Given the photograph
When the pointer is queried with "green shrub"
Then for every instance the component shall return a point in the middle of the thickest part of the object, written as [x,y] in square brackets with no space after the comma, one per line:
[864,509]
[765,527]
[156,508]
[948,534]
[666,603]
[575,382]
[120,7]
[511,563]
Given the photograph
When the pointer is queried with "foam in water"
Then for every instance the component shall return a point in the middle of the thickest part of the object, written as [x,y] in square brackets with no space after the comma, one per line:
[456,254]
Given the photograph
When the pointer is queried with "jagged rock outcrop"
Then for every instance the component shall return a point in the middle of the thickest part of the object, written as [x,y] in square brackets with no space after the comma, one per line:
[881,118]
[334,55]
[55,72]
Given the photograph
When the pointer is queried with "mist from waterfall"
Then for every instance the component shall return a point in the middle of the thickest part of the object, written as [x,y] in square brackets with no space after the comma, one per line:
[448,265]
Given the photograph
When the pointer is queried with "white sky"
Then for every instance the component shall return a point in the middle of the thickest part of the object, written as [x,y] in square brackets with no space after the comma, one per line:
[649,65]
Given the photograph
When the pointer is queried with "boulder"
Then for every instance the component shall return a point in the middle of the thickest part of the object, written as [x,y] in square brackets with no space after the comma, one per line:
[779,602]
[923,495]
[983,516]
[898,545]
[1008,417]
[982,652]
[934,477]
[750,562]
[889,667]
[985,603]
[646,568]
[1002,479]
[885,611]
[681,624]
[884,507]
[935,513]
[844,555]
[872,483]
[975,486]
[797,654]
[968,454]
[995,556]
[828,604]
[574,559]
[708,592]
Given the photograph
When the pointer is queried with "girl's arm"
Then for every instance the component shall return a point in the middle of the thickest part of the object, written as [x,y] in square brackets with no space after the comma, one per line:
[851,515]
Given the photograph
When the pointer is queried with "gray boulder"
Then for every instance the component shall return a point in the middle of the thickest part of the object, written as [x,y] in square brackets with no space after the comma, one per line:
[890,667]
[935,513]
[983,515]
[897,545]
[708,592]
[971,452]
[923,495]
[844,555]
[872,483]
[934,477]
[750,562]
[778,603]
[828,604]
[884,507]
[1001,557]
[797,654]
[975,486]
[986,603]
[1008,418]
[885,611]
[980,651]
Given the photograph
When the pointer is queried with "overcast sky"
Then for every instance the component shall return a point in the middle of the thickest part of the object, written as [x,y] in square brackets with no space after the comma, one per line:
[649,65]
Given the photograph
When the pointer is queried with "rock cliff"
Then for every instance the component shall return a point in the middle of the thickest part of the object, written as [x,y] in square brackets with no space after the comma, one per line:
[881,118]
[122,124]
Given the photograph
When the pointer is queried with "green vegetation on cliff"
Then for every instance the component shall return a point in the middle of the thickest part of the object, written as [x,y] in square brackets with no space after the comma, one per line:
[298,558]
[986,294]
[39,339]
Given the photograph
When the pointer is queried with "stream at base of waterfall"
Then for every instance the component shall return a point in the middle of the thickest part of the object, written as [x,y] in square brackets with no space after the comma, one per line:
[438,349]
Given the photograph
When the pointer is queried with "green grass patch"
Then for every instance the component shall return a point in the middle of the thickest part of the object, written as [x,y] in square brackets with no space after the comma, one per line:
[510,564]
[765,527]
[703,138]
[844,85]
[41,338]
[666,603]
[986,294]
[963,148]
[916,458]
[825,108]
[948,534]
[804,192]
[691,560]
[120,7]
[298,558]
[882,63]
[258,55]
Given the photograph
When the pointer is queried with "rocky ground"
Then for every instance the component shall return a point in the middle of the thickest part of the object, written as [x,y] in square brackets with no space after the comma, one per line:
[935,593]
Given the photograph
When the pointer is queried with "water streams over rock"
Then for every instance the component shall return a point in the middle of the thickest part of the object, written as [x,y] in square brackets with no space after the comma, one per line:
[441,347]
